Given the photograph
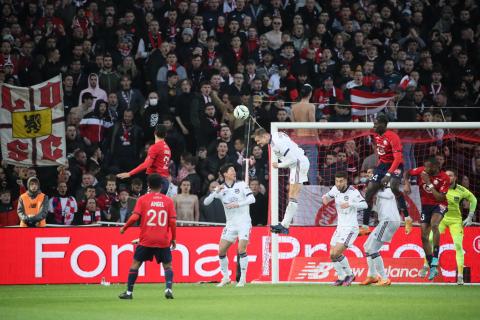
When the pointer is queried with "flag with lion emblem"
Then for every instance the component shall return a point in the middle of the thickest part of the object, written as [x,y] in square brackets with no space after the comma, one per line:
[32,124]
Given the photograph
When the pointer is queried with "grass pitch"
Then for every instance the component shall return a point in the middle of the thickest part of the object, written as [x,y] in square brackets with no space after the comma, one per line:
[255,301]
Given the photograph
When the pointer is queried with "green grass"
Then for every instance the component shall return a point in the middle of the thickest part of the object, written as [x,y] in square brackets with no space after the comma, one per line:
[205,301]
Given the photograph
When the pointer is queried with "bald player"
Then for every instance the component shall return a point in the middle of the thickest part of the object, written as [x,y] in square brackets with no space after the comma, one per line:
[304,111]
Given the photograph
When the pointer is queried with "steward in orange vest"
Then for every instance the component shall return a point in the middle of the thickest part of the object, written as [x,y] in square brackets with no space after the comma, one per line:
[32,205]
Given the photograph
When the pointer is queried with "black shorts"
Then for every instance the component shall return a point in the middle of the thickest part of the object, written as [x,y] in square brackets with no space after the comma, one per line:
[382,169]
[163,255]
[429,210]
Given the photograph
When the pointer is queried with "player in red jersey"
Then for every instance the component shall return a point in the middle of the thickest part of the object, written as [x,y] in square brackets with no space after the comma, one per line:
[157,160]
[434,185]
[389,170]
[157,220]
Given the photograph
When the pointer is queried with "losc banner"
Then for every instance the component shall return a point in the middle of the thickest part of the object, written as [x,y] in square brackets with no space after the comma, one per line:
[85,255]
[32,124]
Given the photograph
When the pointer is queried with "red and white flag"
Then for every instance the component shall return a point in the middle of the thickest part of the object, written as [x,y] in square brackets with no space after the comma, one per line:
[366,103]
[407,81]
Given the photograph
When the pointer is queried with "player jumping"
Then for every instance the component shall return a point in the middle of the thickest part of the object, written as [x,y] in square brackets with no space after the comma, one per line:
[157,160]
[293,157]
[453,220]
[158,220]
[348,201]
[433,185]
[236,197]
[389,222]
[388,170]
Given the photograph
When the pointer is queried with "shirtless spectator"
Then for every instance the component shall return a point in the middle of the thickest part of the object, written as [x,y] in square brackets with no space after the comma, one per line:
[186,204]
[304,111]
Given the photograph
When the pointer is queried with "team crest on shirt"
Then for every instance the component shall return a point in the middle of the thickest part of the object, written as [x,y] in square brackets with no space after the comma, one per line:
[385,142]
[456,199]
[345,198]
[435,182]
[237,191]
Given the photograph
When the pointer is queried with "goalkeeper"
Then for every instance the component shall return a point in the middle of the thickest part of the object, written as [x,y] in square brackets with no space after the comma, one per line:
[453,219]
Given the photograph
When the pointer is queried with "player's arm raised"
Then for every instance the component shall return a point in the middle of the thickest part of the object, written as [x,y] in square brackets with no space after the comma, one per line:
[249,199]
[213,195]
[407,188]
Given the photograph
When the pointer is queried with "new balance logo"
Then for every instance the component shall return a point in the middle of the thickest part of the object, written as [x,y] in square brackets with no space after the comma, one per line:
[314,271]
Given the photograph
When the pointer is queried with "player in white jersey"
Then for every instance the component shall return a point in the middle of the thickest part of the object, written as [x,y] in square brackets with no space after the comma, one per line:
[389,222]
[348,201]
[290,156]
[236,197]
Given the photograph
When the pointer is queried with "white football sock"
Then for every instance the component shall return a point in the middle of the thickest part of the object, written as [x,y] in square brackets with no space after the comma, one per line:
[346,266]
[338,267]
[289,213]
[243,267]
[378,261]
[224,267]
[371,267]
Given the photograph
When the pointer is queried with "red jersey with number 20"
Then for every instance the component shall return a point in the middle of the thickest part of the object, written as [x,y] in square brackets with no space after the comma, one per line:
[387,145]
[157,160]
[158,219]
[441,183]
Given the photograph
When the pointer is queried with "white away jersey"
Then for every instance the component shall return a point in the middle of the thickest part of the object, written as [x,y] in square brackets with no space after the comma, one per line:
[238,192]
[386,205]
[286,150]
[347,217]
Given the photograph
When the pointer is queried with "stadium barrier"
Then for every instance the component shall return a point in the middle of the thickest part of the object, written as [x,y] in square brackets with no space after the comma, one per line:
[86,255]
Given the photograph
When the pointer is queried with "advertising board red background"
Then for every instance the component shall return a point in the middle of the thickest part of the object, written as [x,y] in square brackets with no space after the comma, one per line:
[86,255]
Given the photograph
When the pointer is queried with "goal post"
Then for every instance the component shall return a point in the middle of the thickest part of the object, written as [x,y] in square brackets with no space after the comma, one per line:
[424,136]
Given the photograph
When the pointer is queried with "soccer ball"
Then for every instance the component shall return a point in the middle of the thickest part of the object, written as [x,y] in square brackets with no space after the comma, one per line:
[241,112]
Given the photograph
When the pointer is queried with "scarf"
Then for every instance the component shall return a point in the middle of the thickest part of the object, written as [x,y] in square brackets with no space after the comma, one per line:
[63,215]
[155,44]
[172,68]
[126,133]
[88,216]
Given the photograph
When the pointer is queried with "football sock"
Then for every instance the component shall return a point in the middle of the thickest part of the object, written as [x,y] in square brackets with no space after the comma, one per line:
[243,265]
[169,278]
[379,266]
[436,250]
[338,268]
[132,277]
[402,205]
[366,215]
[459,255]
[224,266]
[371,267]
[289,212]
[345,265]
[429,259]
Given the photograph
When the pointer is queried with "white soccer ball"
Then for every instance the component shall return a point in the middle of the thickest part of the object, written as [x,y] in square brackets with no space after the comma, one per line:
[241,112]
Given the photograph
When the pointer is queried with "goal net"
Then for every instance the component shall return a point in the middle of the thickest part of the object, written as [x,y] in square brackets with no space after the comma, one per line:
[334,147]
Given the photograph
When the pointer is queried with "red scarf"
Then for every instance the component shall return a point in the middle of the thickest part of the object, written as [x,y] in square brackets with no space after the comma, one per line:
[238,54]
[172,68]
[91,217]
[126,133]
[155,44]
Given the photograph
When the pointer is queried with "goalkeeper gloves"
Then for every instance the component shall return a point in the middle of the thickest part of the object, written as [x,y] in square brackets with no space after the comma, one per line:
[468,221]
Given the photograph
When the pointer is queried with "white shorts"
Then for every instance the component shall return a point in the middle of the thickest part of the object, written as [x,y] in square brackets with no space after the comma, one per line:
[299,172]
[345,235]
[236,231]
[384,231]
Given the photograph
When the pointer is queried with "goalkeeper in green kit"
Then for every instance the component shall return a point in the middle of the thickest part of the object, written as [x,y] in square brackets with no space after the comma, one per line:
[453,220]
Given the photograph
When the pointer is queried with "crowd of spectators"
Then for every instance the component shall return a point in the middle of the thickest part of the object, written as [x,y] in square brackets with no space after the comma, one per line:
[187,64]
